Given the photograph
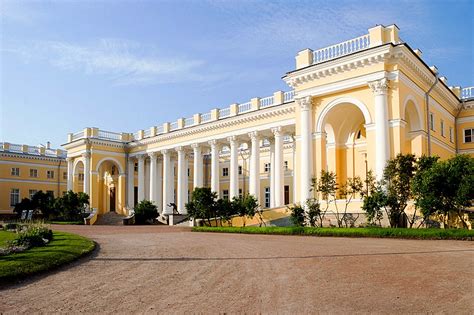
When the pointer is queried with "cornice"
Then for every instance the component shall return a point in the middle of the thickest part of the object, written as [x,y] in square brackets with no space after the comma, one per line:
[32,157]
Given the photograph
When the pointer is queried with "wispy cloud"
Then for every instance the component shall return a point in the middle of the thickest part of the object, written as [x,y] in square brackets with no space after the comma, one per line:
[121,61]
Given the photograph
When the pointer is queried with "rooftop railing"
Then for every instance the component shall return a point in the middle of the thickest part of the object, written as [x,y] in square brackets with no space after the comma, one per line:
[245,107]
[467,93]
[189,122]
[31,150]
[288,96]
[266,102]
[109,135]
[174,125]
[224,112]
[341,49]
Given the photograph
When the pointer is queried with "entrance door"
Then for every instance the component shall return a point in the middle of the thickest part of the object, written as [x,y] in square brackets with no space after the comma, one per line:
[287,194]
[112,199]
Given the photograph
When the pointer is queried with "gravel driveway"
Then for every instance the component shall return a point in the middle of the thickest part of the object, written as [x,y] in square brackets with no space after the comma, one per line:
[169,269]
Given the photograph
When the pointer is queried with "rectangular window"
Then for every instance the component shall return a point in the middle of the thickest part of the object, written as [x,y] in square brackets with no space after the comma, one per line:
[240,192]
[240,170]
[442,128]
[50,192]
[15,171]
[14,196]
[33,172]
[451,134]
[64,175]
[468,135]
[50,174]
[32,192]
[267,197]
[432,121]
[225,194]
[286,165]
[136,167]
[267,167]
[80,177]
[189,172]
[287,194]
[225,171]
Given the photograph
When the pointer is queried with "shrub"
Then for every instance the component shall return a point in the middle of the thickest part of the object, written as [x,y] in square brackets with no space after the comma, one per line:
[33,235]
[297,215]
[145,210]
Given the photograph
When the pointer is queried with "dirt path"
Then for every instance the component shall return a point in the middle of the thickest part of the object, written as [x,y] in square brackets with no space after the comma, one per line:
[171,270]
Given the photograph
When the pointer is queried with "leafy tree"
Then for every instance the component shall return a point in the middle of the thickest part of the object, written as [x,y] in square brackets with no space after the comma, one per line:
[327,187]
[297,215]
[314,211]
[351,187]
[445,187]
[145,210]
[225,210]
[24,204]
[45,203]
[71,205]
[375,204]
[203,204]
[424,167]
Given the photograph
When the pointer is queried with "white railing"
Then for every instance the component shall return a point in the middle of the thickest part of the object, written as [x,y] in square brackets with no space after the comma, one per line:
[224,112]
[146,133]
[245,107]
[288,96]
[467,92]
[266,101]
[159,129]
[189,122]
[205,117]
[15,147]
[341,49]
[136,135]
[77,135]
[33,150]
[109,135]
[174,125]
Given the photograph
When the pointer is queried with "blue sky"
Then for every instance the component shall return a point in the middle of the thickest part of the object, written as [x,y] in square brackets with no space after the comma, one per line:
[129,65]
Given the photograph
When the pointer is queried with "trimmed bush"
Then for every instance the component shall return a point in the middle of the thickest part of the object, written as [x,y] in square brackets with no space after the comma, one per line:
[145,210]
[33,235]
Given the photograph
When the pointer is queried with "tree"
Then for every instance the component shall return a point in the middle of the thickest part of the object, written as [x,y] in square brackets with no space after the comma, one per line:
[45,203]
[445,187]
[327,187]
[313,211]
[297,215]
[375,203]
[24,204]
[351,187]
[71,205]
[145,210]
[203,205]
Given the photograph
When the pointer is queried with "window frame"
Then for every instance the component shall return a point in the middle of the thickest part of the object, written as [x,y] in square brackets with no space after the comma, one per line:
[15,171]
[471,136]
[33,172]
[225,194]
[432,122]
[267,197]
[225,172]
[14,192]
[50,174]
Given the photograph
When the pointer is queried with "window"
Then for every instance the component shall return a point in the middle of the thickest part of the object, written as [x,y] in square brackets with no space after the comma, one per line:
[32,192]
[15,171]
[286,165]
[287,194]
[451,134]
[189,172]
[14,196]
[225,194]
[225,171]
[136,167]
[80,177]
[432,121]
[64,175]
[442,128]
[240,170]
[267,167]
[468,135]
[50,174]
[50,193]
[33,172]
[240,192]
[267,197]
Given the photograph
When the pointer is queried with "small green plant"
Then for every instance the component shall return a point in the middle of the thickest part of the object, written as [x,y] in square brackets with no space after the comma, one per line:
[145,211]
[33,235]
[297,215]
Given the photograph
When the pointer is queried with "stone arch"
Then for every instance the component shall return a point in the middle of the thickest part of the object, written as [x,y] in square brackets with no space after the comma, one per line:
[76,162]
[412,108]
[413,135]
[110,159]
[342,100]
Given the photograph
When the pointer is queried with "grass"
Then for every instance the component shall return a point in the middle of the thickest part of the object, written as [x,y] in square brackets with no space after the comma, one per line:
[5,237]
[64,248]
[66,222]
[432,234]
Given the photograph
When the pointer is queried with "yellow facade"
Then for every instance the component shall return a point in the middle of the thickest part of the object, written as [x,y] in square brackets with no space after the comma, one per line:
[26,169]
[352,106]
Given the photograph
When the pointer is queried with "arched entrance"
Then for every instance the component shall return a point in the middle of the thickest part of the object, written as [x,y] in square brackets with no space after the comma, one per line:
[342,123]
[413,129]
[110,186]
[78,176]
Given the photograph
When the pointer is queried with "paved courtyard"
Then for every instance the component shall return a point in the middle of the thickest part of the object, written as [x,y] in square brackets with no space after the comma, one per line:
[165,269]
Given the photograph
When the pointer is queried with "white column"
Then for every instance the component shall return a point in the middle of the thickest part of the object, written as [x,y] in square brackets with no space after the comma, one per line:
[159,186]
[141,177]
[382,149]
[198,166]
[278,168]
[234,167]
[182,178]
[70,173]
[131,183]
[153,178]
[87,172]
[215,167]
[168,185]
[254,182]
[272,172]
[305,156]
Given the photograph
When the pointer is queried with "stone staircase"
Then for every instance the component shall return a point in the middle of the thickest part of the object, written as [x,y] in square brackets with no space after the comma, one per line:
[110,218]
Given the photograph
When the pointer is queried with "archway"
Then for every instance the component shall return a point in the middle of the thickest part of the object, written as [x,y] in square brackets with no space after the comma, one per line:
[343,124]
[413,142]
[78,176]
[109,186]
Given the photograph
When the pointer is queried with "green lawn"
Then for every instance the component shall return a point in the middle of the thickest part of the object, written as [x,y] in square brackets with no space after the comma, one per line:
[455,234]
[64,248]
[5,237]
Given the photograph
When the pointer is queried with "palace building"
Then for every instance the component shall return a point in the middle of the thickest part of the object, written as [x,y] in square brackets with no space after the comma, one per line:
[350,108]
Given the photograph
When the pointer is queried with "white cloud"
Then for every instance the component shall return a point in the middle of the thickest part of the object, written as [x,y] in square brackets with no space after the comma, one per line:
[123,62]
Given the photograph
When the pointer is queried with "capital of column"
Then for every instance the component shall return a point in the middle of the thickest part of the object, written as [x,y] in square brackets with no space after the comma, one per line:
[195,145]
[140,157]
[86,155]
[232,140]
[179,149]
[69,159]
[254,136]
[153,155]
[213,143]
[165,151]
[379,87]
[304,103]
[277,131]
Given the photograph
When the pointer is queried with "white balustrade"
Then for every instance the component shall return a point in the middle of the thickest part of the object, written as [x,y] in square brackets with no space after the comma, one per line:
[146,133]
[109,135]
[467,92]
[15,147]
[159,129]
[245,107]
[341,49]
[136,135]
[266,101]
[224,112]
[288,96]
[33,150]
[189,122]
[205,117]
[174,125]
[78,135]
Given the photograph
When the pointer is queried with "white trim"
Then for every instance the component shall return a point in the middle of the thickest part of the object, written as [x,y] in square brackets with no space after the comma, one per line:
[365,111]
[463,120]
[109,159]
[397,123]
[466,151]
[31,164]
[6,180]
[74,165]
[411,98]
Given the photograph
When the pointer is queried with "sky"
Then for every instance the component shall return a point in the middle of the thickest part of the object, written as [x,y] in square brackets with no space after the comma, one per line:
[129,65]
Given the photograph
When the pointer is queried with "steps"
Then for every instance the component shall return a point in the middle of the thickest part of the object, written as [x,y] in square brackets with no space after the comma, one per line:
[109,218]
